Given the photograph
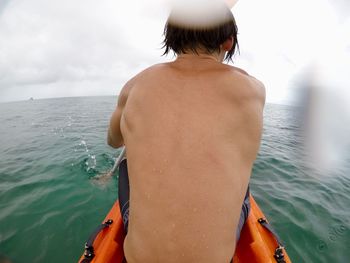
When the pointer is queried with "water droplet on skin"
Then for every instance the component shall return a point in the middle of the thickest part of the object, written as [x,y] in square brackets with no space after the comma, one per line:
[173,225]
[195,209]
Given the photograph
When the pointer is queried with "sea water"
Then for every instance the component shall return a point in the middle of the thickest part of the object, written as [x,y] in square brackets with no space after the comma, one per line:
[50,151]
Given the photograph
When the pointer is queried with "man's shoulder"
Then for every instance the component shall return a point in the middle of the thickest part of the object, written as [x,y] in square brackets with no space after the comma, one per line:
[239,72]
[253,87]
[154,68]
[141,77]
[151,70]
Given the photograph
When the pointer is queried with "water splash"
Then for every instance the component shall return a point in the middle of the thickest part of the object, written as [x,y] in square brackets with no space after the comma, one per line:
[91,162]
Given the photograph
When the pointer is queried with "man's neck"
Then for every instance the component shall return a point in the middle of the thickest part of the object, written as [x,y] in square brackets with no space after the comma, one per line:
[200,56]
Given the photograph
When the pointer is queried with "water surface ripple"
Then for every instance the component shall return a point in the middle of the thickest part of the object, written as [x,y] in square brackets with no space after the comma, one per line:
[50,150]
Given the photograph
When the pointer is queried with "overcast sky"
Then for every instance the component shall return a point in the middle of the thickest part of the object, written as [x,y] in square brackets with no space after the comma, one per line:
[87,47]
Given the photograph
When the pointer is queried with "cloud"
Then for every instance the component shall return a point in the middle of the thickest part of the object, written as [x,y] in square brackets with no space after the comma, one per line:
[342,7]
[84,41]
[3,4]
[90,47]
[283,37]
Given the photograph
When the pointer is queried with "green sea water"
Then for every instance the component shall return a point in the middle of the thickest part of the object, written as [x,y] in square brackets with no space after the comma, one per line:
[50,151]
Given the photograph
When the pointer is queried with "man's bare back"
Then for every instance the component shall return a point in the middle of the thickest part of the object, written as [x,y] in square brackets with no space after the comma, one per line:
[192,130]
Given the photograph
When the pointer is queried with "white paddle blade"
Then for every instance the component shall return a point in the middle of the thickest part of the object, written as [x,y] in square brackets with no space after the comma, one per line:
[200,13]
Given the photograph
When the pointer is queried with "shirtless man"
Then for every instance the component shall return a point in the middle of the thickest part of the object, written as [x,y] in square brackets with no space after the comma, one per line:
[192,130]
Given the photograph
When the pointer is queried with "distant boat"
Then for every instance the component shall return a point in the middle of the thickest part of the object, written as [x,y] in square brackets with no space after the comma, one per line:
[31,98]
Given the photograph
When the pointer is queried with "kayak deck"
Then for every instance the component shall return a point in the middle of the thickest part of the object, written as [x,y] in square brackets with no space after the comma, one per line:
[256,244]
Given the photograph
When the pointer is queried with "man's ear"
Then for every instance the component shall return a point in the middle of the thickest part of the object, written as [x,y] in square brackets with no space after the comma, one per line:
[228,44]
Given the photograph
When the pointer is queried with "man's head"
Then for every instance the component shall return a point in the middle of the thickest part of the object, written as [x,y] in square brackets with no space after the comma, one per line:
[211,29]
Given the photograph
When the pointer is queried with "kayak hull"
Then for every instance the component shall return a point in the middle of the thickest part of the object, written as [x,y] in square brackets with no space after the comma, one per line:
[256,244]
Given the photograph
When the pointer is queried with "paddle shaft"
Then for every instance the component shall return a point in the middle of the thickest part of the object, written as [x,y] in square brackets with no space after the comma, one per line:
[118,160]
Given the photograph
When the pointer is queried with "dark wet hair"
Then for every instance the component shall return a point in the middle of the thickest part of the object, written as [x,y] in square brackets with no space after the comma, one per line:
[181,38]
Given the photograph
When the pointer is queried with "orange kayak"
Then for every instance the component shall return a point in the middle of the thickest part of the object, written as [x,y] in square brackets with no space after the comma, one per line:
[256,244]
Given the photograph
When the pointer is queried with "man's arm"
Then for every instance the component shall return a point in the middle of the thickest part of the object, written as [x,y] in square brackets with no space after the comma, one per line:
[115,137]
